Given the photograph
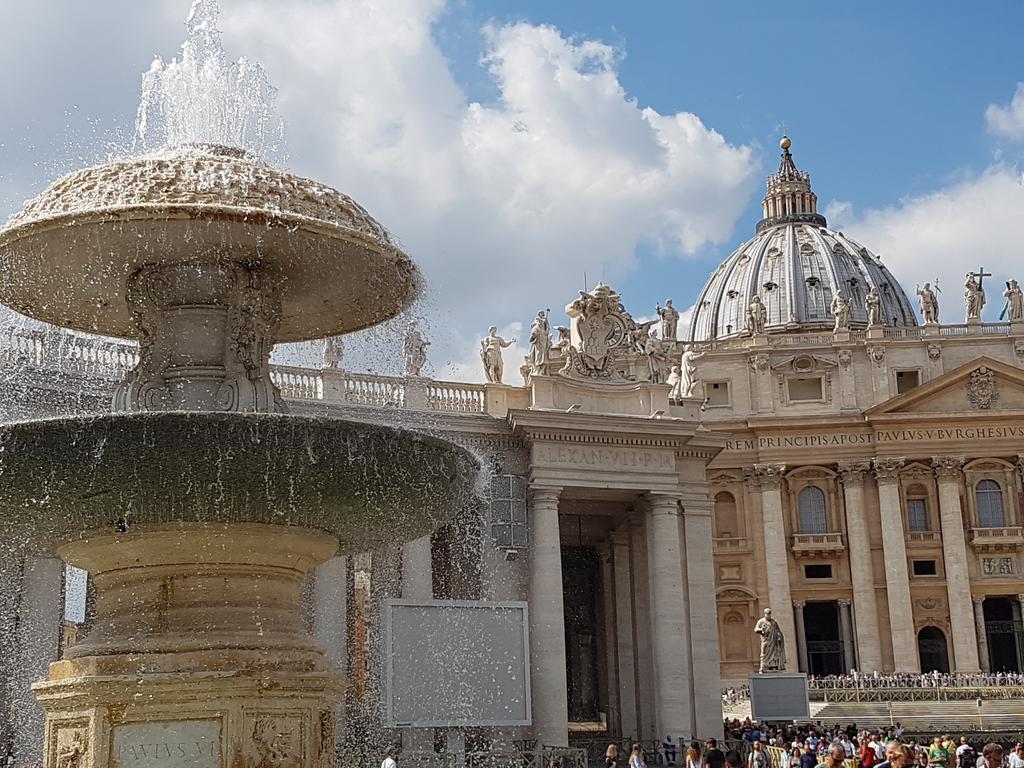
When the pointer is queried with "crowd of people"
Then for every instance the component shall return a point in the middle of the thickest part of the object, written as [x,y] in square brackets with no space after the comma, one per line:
[923,680]
[821,746]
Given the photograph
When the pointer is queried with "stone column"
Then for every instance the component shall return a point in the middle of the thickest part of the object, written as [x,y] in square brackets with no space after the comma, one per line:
[770,479]
[611,667]
[801,636]
[846,630]
[954,553]
[330,622]
[417,584]
[547,622]
[894,551]
[40,616]
[703,617]
[642,642]
[669,627]
[1020,602]
[979,626]
[862,575]
[624,633]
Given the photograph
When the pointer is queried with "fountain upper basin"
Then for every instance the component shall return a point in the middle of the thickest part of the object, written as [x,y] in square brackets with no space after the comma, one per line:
[66,256]
[368,485]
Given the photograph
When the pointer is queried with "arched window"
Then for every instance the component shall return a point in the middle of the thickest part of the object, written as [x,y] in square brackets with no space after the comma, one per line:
[988,498]
[727,524]
[917,509]
[812,510]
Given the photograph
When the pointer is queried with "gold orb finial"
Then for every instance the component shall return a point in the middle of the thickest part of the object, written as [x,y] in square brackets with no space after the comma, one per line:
[785,143]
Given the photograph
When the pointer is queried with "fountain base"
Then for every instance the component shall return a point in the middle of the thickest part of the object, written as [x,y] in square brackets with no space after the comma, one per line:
[197,657]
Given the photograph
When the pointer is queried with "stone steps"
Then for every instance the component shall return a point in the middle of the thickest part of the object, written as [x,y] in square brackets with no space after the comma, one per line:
[954,716]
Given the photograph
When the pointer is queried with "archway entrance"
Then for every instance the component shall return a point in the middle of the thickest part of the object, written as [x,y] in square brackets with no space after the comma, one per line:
[931,648]
[824,642]
[1004,633]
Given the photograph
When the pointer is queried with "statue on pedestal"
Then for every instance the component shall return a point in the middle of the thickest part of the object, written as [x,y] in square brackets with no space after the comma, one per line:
[873,305]
[974,298]
[757,315]
[675,380]
[841,312]
[669,320]
[1014,302]
[414,350]
[689,385]
[773,644]
[334,350]
[539,358]
[490,354]
[928,304]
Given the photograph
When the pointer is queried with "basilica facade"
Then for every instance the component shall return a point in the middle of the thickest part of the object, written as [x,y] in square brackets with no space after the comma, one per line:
[815,446]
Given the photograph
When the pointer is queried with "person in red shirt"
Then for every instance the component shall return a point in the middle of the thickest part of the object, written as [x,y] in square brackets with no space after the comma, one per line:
[866,753]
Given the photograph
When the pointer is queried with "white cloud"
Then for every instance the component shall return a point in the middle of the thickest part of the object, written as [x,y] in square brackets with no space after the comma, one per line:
[838,213]
[506,204]
[1008,121]
[949,232]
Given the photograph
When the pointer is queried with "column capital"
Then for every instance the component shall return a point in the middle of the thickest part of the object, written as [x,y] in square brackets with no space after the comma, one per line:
[948,467]
[979,599]
[663,503]
[887,469]
[1020,598]
[769,477]
[798,604]
[541,494]
[853,472]
[844,603]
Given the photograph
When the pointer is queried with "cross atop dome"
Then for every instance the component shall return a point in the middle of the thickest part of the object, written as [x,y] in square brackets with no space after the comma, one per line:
[789,195]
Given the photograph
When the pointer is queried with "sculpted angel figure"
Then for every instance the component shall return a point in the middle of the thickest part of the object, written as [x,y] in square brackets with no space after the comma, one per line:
[1014,302]
[773,644]
[757,315]
[974,298]
[841,311]
[873,305]
[490,354]
[928,304]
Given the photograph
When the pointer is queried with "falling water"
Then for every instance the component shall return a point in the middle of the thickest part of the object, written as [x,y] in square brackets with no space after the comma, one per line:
[203,98]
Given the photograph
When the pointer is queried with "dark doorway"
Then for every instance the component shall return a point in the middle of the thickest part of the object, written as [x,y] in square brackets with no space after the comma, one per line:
[824,643]
[581,591]
[931,648]
[1003,631]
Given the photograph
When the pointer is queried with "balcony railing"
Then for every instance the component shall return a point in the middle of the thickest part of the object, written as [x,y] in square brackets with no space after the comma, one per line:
[923,538]
[730,543]
[809,545]
[1008,539]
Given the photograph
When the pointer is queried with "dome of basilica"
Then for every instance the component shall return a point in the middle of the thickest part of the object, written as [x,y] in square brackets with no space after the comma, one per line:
[796,266]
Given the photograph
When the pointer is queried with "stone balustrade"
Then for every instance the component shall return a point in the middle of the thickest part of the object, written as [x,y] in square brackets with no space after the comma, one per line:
[997,539]
[815,544]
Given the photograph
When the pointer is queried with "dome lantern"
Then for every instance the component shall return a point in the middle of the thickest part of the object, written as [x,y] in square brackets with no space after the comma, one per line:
[789,195]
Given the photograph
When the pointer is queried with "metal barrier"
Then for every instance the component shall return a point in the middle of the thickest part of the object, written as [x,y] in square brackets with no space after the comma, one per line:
[564,757]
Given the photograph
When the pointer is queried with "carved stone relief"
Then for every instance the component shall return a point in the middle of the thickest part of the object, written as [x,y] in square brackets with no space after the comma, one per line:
[275,741]
[998,566]
[982,390]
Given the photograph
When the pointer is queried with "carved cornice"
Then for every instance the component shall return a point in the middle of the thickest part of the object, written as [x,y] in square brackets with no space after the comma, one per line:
[853,472]
[948,467]
[887,470]
[770,477]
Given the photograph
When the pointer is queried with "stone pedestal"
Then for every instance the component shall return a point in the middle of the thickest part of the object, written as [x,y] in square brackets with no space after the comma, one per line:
[197,656]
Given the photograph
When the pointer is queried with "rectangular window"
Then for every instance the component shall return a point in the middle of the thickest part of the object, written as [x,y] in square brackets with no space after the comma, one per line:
[818,571]
[906,381]
[917,515]
[717,393]
[804,389]
[508,511]
[925,568]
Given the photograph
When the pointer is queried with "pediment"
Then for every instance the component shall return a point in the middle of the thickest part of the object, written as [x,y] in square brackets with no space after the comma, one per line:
[984,385]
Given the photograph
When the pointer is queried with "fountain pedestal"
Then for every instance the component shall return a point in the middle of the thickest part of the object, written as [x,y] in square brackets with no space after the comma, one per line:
[198,657]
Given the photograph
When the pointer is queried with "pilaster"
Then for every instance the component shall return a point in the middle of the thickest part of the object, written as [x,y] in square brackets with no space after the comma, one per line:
[801,635]
[770,479]
[624,623]
[846,630]
[862,573]
[897,580]
[948,472]
[979,627]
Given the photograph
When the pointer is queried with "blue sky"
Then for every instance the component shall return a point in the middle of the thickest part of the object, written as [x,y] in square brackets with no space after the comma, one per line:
[514,144]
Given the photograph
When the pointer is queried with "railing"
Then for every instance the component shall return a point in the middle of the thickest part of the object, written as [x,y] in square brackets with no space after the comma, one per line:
[927,693]
[997,539]
[298,383]
[923,537]
[1013,532]
[455,398]
[811,543]
[366,389]
[727,543]
[563,757]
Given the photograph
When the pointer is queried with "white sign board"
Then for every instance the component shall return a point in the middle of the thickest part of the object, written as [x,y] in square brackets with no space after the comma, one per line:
[453,663]
[166,744]
[779,696]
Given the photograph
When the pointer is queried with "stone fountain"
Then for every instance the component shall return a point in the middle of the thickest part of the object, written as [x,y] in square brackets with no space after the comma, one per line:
[198,505]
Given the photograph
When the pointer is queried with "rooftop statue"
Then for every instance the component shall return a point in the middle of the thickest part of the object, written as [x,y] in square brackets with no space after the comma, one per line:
[841,311]
[334,351]
[691,384]
[773,644]
[873,306]
[974,298]
[669,320]
[414,349]
[490,354]
[1014,302]
[928,303]
[539,359]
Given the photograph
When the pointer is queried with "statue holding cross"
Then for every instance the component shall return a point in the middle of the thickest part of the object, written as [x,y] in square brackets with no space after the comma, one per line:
[974,294]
